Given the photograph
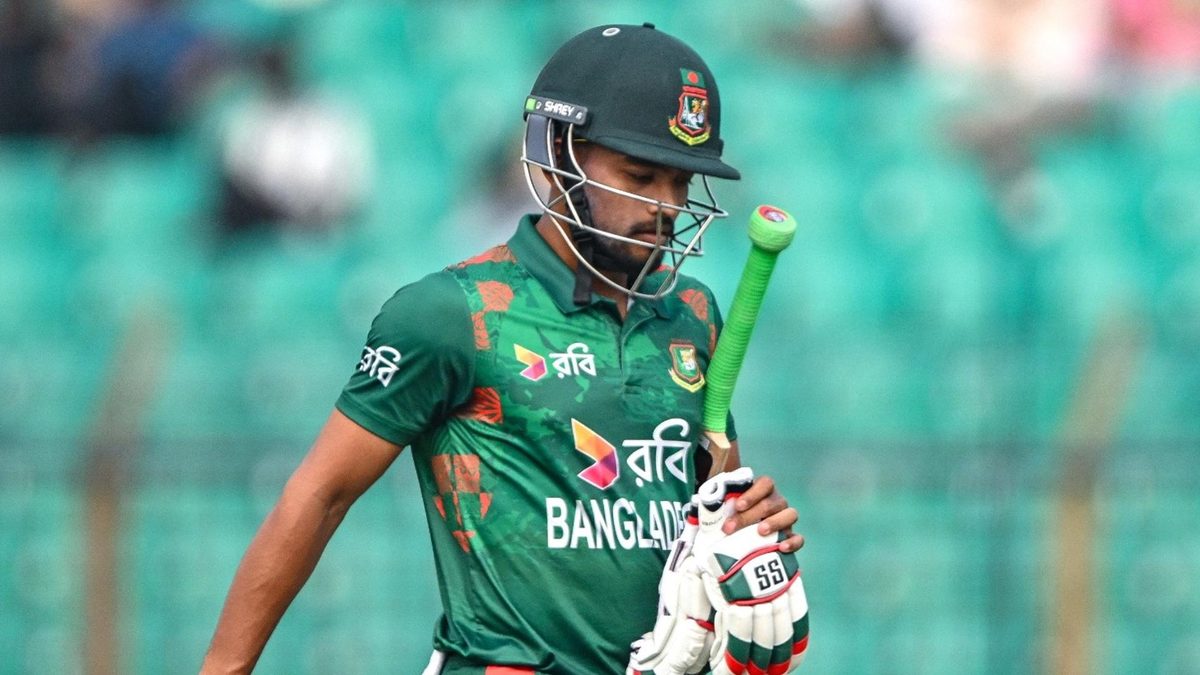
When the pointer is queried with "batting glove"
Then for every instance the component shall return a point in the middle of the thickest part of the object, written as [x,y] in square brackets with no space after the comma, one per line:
[761,621]
[683,633]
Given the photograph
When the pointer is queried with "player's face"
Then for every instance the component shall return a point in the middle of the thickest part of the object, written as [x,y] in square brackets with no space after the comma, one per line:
[629,217]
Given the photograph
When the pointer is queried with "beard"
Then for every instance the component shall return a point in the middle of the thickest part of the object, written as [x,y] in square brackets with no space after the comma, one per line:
[611,255]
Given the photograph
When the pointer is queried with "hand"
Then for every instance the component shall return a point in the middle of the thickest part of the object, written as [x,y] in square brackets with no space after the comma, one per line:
[763,505]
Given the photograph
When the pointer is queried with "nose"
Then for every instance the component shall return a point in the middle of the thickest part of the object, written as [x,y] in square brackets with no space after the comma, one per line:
[668,214]
[667,198]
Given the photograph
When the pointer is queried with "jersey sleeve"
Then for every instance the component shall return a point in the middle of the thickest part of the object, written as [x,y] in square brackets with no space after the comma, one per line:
[719,322]
[418,363]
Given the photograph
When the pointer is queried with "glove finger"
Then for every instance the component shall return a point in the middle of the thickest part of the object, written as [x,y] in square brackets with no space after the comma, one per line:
[799,612]
[764,638]
[781,645]
[710,641]
[716,652]
[688,646]
[737,638]
[693,612]
[693,598]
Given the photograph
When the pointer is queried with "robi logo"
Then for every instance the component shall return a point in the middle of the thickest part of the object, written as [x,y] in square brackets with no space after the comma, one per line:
[651,460]
[535,364]
[607,468]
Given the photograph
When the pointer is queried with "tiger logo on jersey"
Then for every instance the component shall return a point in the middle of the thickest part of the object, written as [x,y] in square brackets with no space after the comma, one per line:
[685,368]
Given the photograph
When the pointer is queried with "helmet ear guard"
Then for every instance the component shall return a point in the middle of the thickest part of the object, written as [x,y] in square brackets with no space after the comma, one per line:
[539,140]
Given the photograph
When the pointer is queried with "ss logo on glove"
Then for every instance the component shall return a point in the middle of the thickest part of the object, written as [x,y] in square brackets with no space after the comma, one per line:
[769,575]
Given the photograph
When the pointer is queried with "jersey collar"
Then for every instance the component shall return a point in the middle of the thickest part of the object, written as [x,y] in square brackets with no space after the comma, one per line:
[536,256]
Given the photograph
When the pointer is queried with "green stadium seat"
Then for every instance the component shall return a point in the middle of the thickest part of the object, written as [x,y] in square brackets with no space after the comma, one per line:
[1171,209]
[1176,307]
[952,292]
[51,398]
[820,189]
[1080,289]
[119,285]
[407,202]
[1165,125]
[834,288]
[199,397]
[34,292]
[1163,402]
[896,114]
[139,196]
[784,116]
[932,202]
[31,190]
[284,401]
[266,288]
[44,558]
[181,547]
[482,37]
[1083,198]
[381,38]
[364,288]
[244,21]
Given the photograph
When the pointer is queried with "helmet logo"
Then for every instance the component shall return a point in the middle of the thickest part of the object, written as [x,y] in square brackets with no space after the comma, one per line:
[690,123]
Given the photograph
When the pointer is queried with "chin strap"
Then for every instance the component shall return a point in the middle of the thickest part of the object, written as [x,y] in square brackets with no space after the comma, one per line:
[583,276]
[585,244]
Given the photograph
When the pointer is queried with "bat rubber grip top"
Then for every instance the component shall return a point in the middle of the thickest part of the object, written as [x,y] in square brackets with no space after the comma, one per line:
[771,231]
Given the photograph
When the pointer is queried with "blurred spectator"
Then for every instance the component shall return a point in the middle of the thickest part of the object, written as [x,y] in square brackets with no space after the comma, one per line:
[1036,48]
[1010,69]
[150,63]
[1024,68]
[862,32]
[25,40]
[100,67]
[292,157]
[1158,35]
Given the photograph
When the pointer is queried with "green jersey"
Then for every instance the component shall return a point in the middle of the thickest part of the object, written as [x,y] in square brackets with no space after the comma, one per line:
[554,447]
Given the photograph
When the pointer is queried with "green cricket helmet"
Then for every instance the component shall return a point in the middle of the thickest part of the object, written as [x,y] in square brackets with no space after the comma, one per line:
[641,92]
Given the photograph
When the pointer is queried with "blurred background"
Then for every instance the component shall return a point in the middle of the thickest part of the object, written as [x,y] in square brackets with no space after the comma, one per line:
[977,374]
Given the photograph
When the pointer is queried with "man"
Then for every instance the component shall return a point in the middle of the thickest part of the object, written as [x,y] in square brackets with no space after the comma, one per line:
[550,388]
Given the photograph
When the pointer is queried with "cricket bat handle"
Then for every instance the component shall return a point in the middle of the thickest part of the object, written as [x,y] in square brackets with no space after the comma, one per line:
[771,230]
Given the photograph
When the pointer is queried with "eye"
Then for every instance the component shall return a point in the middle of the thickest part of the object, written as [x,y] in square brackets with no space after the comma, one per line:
[642,177]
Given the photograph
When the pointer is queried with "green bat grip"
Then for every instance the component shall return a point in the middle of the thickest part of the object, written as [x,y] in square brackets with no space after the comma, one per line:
[771,231]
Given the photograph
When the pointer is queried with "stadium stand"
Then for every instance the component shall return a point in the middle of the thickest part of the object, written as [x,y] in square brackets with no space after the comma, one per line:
[908,386]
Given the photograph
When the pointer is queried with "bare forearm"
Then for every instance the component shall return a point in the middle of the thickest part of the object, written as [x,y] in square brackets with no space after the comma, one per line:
[275,567]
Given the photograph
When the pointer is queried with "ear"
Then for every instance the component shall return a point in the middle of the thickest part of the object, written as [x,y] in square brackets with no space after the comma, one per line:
[581,151]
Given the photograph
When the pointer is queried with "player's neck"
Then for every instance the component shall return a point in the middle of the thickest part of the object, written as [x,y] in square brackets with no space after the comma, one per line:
[557,239]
